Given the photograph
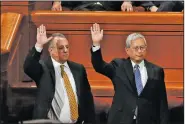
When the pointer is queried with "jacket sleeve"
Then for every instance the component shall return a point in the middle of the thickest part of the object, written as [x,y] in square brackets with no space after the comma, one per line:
[163,101]
[88,101]
[32,67]
[100,66]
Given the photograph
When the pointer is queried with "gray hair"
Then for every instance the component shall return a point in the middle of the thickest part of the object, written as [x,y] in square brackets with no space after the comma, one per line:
[55,35]
[132,37]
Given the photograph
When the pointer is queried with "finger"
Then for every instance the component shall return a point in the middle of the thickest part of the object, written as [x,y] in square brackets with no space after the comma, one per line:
[44,29]
[98,27]
[123,8]
[91,30]
[127,9]
[131,9]
[102,33]
[38,31]
[49,38]
[94,25]
[60,8]
[54,9]
[57,8]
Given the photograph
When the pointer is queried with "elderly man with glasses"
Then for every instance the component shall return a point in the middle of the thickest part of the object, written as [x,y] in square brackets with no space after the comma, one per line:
[140,93]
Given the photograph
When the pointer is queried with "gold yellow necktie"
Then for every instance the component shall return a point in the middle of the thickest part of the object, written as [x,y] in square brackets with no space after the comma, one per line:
[71,96]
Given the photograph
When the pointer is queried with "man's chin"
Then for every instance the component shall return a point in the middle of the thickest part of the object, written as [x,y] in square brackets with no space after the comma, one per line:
[139,60]
[63,60]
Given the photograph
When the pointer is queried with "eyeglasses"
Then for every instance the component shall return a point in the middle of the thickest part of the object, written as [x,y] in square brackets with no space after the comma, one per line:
[141,48]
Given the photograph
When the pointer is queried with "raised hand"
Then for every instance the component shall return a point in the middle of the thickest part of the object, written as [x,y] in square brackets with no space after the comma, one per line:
[41,36]
[127,6]
[97,34]
[56,6]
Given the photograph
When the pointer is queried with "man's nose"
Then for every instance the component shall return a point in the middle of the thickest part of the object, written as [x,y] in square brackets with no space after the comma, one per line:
[140,49]
[65,49]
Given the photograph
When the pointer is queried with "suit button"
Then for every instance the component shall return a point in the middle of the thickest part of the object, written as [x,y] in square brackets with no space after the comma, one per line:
[120,109]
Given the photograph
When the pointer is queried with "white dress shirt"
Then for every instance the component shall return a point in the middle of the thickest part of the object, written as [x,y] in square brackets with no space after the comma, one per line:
[60,91]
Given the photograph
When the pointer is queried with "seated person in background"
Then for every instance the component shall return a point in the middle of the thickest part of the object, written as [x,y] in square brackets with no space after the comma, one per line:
[153,6]
[162,6]
[91,6]
[131,6]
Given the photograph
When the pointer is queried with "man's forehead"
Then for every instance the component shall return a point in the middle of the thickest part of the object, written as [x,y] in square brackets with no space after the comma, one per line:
[138,40]
[59,38]
[61,41]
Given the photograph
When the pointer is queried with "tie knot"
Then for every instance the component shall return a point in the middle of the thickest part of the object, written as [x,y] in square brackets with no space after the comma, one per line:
[62,68]
[136,66]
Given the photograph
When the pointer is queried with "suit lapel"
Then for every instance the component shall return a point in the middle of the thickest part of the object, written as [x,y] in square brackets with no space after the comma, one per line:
[75,73]
[149,69]
[127,66]
[49,64]
[150,74]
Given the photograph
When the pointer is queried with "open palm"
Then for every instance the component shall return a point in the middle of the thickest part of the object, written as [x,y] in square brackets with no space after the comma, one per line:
[41,35]
[96,33]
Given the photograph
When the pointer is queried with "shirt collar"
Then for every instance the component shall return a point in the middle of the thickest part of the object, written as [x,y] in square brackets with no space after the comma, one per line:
[57,64]
[141,64]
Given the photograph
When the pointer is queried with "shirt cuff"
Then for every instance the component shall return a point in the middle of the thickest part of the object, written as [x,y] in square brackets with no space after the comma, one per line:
[95,48]
[38,49]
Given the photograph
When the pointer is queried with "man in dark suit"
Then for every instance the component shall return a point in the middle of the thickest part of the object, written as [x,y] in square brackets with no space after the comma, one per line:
[86,5]
[161,6]
[64,92]
[140,93]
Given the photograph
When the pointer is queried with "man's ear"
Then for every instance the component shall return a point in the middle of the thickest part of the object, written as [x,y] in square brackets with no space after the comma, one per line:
[126,50]
[49,49]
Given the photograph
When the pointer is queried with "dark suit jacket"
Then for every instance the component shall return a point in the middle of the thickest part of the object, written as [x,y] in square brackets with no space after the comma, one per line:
[152,102]
[169,6]
[108,5]
[44,75]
